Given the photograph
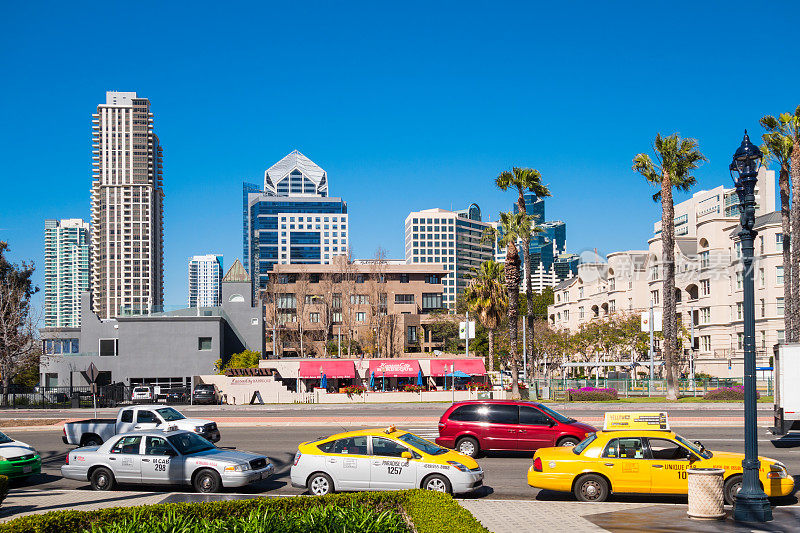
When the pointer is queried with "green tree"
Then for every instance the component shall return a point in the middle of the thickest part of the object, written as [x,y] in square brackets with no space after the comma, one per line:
[676,158]
[245,359]
[524,180]
[514,226]
[540,302]
[486,297]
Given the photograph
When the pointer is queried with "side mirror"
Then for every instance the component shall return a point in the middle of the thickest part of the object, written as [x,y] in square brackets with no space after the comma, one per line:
[406,455]
[700,445]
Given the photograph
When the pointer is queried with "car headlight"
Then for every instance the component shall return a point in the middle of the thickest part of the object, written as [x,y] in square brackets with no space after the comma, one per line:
[459,466]
[3,458]
[198,429]
[237,468]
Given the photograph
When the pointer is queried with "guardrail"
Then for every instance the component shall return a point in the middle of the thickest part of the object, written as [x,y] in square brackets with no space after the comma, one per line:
[643,388]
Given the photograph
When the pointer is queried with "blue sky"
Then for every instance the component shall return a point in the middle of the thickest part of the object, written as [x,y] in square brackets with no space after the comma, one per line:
[406,105]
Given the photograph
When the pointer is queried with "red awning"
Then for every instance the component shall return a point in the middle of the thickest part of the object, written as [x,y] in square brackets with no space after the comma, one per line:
[394,368]
[473,367]
[331,369]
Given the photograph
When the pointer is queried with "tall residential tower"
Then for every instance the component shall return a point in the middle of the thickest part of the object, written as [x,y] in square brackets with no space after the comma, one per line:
[205,276]
[127,208]
[66,271]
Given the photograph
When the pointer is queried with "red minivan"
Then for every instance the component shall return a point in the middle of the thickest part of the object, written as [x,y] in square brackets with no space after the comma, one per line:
[507,425]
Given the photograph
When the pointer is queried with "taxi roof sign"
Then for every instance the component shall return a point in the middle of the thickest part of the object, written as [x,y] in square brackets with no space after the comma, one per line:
[637,420]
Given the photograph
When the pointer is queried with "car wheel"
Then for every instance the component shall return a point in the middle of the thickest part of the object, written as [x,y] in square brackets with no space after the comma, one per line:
[320,484]
[102,479]
[437,483]
[731,488]
[568,442]
[468,446]
[207,481]
[591,488]
[92,440]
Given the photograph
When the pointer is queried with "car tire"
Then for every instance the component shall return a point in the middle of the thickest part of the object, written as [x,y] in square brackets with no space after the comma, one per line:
[320,484]
[732,486]
[591,488]
[102,479]
[437,483]
[91,440]
[468,446]
[207,481]
[568,441]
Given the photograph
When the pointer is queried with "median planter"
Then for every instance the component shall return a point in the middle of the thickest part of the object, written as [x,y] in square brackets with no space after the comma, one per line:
[729,394]
[592,394]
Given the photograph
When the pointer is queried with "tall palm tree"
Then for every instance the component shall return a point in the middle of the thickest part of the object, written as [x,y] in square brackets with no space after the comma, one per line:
[676,158]
[513,227]
[524,180]
[778,147]
[486,297]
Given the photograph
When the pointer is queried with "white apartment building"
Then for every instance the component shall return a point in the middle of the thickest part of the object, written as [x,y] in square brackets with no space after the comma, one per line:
[451,238]
[708,281]
[127,208]
[66,271]
[205,277]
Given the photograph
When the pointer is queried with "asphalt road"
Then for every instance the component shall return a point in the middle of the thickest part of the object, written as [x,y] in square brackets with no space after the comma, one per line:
[505,473]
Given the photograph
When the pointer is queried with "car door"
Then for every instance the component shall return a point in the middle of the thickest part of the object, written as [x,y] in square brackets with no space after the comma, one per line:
[535,429]
[502,431]
[146,419]
[389,470]
[348,462]
[161,463]
[126,460]
[669,463]
[624,462]
[125,423]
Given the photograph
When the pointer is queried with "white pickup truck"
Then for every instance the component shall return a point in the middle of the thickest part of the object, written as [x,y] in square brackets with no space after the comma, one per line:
[95,431]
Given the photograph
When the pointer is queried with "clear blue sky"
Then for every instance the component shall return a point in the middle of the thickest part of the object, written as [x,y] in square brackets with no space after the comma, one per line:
[406,105]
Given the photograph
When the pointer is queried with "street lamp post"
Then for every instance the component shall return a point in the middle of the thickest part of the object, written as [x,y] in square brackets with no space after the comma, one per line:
[751,502]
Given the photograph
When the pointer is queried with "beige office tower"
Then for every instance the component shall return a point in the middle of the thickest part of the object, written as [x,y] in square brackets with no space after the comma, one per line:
[127,208]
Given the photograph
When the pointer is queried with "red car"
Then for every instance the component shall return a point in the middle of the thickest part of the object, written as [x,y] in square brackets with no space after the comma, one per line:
[494,425]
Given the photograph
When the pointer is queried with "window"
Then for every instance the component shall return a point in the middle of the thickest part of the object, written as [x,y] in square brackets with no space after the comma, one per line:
[337,317]
[350,446]
[705,315]
[203,343]
[432,279]
[705,260]
[705,343]
[313,317]
[108,347]
[763,335]
[470,413]
[739,281]
[612,284]
[566,314]
[580,292]
[404,298]
[612,306]
[763,308]
[761,277]
[740,341]
[283,279]
[780,306]
[779,275]
[627,448]
[127,445]
[312,298]
[412,334]
[313,278]
[654,272]
[286,300]
[781,336]
[336,300]
[127,416]
[359,277]
[654,297]
[739,310]
[359,299]
[668,450]
[432,300]
[403,278]
[157,446]
[761,244]
[580,312]
[361,316]
[387,448]
[705,287]
[533,417]
[737,247]
[779,241]
[503,414]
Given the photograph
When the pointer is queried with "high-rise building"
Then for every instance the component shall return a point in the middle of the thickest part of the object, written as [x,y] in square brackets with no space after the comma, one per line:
[292,220]
[66,271]
[452,238]
[205,276]
[127,208]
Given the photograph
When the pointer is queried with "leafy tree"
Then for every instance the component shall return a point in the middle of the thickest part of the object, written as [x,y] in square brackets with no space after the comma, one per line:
[444,330]
[540,302]
[524,180]
[18,347]
[676,158]
[245,359]
[486,297]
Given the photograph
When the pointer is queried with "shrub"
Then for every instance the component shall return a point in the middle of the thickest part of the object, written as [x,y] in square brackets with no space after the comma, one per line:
[413,388]
[350,390]
[429,512]
[592,394]
[735,393]
[478,386]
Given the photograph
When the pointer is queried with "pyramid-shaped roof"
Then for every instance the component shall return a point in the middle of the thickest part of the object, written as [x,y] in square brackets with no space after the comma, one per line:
[236,274]
[295,161]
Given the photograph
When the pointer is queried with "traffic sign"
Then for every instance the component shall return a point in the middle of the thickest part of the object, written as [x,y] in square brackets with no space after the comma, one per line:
[92,373]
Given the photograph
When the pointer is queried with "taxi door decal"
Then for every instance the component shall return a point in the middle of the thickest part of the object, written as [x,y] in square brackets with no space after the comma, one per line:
[630,466]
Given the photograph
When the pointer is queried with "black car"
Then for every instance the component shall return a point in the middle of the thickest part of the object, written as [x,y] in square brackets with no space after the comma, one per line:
[178,395]
[206,393]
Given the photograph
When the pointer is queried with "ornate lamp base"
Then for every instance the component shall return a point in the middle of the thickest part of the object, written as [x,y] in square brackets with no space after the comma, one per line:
[752,508]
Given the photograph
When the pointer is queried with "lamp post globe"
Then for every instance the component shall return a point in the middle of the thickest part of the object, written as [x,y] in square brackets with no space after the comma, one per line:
[751,503]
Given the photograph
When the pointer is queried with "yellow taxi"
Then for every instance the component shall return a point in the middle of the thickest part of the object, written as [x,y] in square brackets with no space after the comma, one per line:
[638,453]
[382,459]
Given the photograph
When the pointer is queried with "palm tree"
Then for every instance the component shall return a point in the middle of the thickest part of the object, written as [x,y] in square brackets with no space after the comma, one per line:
[486,297]
[676,158]
[513,227]
[778,147]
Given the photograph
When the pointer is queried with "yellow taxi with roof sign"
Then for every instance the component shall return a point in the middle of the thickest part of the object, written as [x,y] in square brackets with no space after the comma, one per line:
[638,453]
[382,459]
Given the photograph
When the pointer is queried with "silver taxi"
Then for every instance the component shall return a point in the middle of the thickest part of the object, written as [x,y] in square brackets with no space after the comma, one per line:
[171,457]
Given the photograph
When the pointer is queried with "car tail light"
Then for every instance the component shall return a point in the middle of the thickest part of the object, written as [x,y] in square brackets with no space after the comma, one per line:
[67,458]
[442,425]
[537,464]
[297,457]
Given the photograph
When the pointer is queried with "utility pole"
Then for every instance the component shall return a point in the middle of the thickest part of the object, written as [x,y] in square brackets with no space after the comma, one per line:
[466,335]
[274,341]
[524,349]
[691,351]
[340,341]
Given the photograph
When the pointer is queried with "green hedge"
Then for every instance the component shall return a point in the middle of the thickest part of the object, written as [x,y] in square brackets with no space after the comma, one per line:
[429,512]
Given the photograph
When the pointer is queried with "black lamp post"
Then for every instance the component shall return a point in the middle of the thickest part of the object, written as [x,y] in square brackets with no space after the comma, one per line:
[751,501]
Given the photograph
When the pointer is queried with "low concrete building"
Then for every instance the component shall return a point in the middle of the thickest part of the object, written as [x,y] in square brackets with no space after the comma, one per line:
[165,348]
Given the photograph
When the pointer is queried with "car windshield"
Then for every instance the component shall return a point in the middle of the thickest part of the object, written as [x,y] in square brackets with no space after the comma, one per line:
[5,439]
[705,454]
[169,414]
[189,443]
[422,445]
[578,448]
[141,389]
[554,414]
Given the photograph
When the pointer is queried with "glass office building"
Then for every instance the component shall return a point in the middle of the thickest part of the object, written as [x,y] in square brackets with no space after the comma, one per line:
[292,220]
[66,271]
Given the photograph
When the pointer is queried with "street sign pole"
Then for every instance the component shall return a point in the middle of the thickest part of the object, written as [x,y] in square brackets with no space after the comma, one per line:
[92,373]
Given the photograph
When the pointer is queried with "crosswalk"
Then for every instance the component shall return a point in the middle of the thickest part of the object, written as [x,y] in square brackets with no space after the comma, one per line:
[428,432]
